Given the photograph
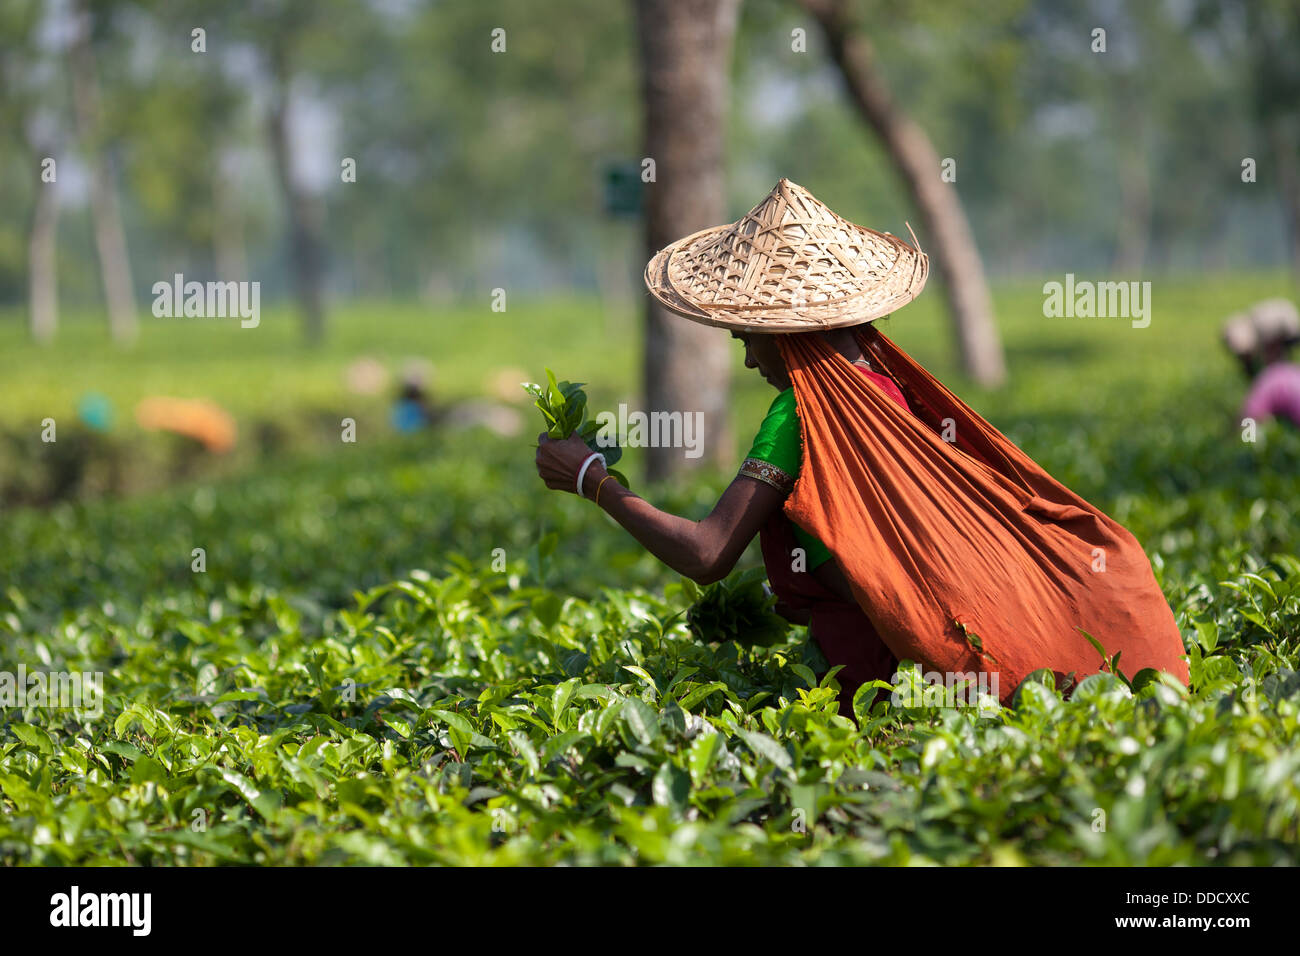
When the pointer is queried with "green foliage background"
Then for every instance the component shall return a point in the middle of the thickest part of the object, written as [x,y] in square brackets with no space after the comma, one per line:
[473,166]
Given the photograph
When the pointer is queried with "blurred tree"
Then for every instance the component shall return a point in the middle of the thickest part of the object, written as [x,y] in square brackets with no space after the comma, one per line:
[182,117]
[479,169]
[110,238]
[1272,30]
[281,24]
[1113,166]
[497,148]
[685,63]
[1127,99]
[25,97]
[952,244]
[293,45]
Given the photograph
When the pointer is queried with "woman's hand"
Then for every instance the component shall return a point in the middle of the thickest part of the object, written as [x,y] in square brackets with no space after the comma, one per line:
[560,459]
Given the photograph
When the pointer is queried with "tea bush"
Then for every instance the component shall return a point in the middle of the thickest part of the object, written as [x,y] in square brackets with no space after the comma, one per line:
[315,697]
[407,651]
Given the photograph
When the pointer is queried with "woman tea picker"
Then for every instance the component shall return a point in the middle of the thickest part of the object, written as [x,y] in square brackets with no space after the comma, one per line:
[894,520]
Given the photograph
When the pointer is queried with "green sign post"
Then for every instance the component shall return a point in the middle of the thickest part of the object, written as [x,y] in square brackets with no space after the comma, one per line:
[623,188]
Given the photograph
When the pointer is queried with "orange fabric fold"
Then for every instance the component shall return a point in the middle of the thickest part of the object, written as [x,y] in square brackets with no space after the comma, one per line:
[965,554]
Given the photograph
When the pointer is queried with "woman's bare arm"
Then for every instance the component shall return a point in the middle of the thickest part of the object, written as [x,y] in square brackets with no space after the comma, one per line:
[704,551]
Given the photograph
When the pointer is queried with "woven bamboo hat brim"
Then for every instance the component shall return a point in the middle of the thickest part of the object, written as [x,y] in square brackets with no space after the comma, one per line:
[790,264]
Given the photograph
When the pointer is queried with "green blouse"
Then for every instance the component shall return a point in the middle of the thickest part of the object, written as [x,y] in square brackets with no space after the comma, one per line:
[774,459]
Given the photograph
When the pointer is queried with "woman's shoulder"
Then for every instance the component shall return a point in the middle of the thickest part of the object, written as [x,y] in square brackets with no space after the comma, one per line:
[778,442]
[783,414]
[784,401]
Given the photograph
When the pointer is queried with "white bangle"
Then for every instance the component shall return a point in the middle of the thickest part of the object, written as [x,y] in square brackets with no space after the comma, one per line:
[582,472]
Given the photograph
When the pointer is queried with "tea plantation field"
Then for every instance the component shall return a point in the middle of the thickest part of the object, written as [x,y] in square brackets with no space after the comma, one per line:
[408,651]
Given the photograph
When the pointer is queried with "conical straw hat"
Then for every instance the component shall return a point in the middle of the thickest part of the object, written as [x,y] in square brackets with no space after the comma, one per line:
[790,264]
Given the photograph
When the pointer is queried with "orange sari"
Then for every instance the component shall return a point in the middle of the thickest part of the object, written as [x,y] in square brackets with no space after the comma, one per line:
[965,555]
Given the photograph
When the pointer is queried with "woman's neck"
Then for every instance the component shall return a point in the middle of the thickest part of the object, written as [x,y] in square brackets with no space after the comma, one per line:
[846,343]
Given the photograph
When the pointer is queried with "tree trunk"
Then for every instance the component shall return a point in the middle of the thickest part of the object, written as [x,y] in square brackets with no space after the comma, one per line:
[110,238]
[1133,233]
[951,244]
[305,225]
[42,267]
[685,53]
[228,254]
[1288,180]
[1134,214]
